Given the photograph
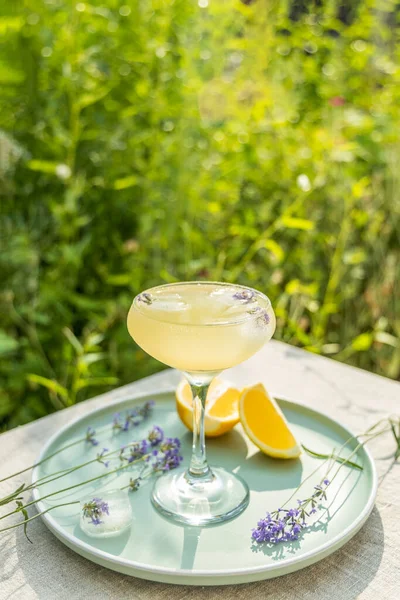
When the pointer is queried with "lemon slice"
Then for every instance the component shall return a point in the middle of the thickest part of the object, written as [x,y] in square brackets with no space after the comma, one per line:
[265,424]
[222,402]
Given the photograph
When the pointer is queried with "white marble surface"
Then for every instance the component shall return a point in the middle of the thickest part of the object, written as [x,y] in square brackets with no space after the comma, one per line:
[367,567]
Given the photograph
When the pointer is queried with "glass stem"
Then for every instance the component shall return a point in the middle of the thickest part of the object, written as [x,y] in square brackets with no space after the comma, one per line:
[199,468]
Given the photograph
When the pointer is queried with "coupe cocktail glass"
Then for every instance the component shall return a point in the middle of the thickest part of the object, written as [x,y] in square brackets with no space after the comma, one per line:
[201,329]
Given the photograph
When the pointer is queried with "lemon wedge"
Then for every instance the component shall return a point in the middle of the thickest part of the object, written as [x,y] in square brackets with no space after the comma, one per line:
[221,413]
[265,423]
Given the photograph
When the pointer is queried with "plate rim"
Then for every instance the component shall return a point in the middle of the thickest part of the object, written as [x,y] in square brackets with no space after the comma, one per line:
[287,565]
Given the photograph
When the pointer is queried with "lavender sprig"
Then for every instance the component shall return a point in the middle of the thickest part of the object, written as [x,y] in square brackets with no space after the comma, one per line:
[169,456]
[134,451]
[130,453]
[144,411]
[95,509]
[100,458]
[137,451]
[161,460]
[90,436]
[165,458]
[285,525]
[133,418]
[155,436]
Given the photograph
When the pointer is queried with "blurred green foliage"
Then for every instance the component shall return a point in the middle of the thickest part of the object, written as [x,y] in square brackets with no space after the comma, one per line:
[161,140]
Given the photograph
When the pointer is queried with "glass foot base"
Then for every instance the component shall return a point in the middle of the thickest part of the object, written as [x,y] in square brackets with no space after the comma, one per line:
[197,502]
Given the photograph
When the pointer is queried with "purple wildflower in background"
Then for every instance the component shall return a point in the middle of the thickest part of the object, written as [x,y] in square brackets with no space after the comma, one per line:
[106,463]
[285,525]
[245,295]
[95,509]
[156,435]
[90,436]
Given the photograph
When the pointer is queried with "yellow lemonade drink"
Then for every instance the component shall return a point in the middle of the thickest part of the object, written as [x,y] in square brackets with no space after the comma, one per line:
[201,327]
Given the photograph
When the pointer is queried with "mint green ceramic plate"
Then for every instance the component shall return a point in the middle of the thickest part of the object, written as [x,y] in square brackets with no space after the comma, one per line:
[158,550]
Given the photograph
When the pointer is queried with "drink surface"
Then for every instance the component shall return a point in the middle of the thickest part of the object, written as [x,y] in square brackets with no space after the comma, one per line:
[201,326]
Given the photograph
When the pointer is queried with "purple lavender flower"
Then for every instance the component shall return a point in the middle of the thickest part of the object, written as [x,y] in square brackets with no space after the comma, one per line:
[133,417]
[156,460]
[136,451]
[134,484]
[155,436]
[129,420]
[145,297]
[319,492]
[171,460]
[262,316]
[95,509]
[144,447]
[266,319]
[142,411]
[116,422]
[145,410]
[245,295]
[100,456]
[90,436]
[275,528]
[168,457]
[170,444]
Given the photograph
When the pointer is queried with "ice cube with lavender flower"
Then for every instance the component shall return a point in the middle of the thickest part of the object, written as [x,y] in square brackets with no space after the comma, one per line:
[106,515]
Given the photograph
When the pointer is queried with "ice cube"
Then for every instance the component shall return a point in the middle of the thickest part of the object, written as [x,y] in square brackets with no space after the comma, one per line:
[114,520]
[229,305]
[170,303]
